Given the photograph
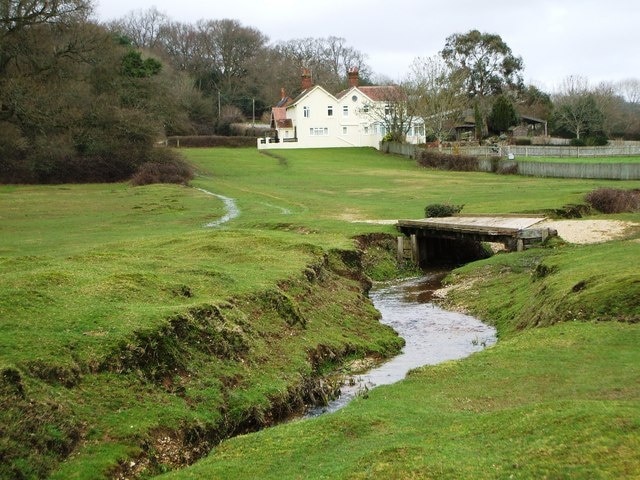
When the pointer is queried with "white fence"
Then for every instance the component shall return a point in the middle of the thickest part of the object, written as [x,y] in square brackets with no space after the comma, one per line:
[547,151]
[491,160]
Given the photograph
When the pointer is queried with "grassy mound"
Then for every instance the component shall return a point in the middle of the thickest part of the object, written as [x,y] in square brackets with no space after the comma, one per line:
[541,287]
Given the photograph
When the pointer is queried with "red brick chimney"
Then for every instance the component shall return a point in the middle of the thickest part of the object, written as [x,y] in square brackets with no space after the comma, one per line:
[352,75]
[307,81]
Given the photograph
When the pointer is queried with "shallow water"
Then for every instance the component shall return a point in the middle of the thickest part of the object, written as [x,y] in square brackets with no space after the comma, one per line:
[231,209]
[432,335]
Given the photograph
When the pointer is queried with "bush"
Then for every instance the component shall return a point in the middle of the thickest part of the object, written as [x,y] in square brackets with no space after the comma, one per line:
[614,200]
[171,169]
[522,141]
[441,210]
[597,141]
[444,161]
[507,168]
[577,142]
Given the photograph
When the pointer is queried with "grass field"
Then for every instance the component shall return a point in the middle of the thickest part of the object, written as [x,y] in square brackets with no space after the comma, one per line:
[126,322]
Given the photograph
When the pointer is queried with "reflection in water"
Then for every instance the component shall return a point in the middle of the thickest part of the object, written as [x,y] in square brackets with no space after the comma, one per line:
[432,335]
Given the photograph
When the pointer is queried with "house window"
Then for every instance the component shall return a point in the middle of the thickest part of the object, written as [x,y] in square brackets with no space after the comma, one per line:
[318,131]
[344,130]
[306,112]
[330,111]
[366,129]
[388,109]
[366,108]
[345,111]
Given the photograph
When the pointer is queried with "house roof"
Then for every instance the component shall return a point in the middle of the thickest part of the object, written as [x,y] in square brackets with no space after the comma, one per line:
[284,101]
[279,118]
[376,93]
[531,119]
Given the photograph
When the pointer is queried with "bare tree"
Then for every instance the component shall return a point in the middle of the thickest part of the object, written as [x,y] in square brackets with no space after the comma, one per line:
[437,95]
[328,59]
[229,50]
[141,27]
[577,109]
[630,90]
[182,47]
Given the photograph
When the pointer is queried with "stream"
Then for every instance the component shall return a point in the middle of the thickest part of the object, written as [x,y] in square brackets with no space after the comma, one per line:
[432,335]
[231,209]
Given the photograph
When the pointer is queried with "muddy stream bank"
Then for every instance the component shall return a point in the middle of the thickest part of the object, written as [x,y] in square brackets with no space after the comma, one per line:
[432,335]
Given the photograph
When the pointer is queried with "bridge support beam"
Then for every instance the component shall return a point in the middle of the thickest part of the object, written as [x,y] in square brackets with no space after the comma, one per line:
[412,249]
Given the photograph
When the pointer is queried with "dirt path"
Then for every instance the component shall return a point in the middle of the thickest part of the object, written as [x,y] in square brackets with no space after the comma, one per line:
[589,231]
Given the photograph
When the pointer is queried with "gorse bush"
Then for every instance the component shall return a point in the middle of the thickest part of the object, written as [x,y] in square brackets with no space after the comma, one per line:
[171,169]
[614,200]
[441,210]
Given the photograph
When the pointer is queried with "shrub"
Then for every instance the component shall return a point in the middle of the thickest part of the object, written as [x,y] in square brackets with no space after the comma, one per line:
[522,141]
[614,200]
[171,169]
[596,141]
[507,168]
[441,210]
[444,161]
[577,142]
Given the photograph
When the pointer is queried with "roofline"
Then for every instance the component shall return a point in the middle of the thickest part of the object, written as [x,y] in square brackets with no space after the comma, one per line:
[302,95]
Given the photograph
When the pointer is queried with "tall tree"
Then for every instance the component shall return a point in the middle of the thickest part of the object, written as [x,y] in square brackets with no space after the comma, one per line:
[485,63]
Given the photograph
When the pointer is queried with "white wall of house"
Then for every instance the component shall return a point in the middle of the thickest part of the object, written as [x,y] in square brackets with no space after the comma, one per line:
[321,120]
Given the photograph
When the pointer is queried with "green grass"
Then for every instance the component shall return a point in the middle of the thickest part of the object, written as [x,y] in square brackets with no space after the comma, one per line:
[125,321]
[324,191]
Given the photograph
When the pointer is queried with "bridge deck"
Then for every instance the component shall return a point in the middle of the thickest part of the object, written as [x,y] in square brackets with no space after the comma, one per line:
[498,225]
[515,232]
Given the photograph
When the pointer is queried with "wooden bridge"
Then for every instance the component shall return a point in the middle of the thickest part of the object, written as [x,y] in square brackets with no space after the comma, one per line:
[426,238]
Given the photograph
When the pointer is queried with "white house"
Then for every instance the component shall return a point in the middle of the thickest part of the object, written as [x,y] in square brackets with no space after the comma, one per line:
[319,119]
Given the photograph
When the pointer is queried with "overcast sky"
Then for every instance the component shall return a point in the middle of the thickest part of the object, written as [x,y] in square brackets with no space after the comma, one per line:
[599,40]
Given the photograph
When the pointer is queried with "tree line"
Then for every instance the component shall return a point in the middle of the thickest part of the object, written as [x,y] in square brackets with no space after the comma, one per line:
[85,101]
